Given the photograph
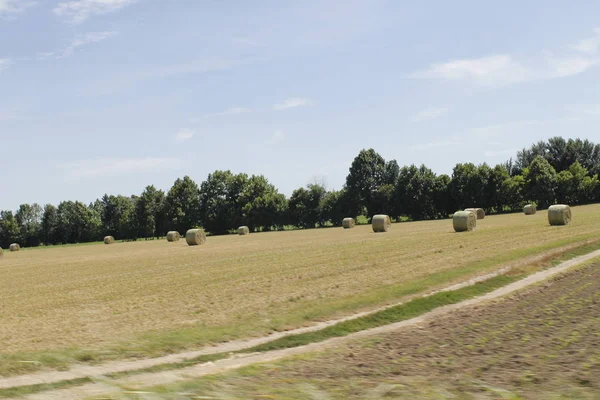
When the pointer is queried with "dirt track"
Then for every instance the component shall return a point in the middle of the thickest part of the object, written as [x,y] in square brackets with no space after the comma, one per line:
[145,380]
[122,366]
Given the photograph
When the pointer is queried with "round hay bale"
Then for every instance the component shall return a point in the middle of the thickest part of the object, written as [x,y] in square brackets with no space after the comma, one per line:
[14,247]
[1,252]
[109,240]
[530,209]
[173,236]
[559,214]
[348,223]
[381,223]
[243,230]
[194,237]
[479,213]
[464,221]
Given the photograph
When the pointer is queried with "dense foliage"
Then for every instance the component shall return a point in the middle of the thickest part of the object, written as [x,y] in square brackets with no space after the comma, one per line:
[556,171]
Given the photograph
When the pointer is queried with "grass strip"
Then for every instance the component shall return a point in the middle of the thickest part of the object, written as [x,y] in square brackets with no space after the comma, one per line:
[390,315]
[398,313]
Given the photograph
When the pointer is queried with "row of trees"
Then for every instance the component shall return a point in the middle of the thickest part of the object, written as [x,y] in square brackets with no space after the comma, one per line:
[554,171]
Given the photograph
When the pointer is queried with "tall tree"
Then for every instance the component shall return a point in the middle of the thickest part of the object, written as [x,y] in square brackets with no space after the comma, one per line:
[50,225]
[540,182]
[183,205]
[367,174]
[29,218]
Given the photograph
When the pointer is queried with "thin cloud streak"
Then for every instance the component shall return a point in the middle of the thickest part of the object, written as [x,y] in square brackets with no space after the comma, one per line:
[292,102]
[430,113]
[229,111]
[117,166]
[505,69]
[184,135]
[11,7]
[79,11]
[89,38]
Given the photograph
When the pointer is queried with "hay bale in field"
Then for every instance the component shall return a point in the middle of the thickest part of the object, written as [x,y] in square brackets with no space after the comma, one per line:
[173,236]
[464,221]
[1,252]
[348,223]
[14,247]
[559,214]
[243,230]
[530,209]
[479,213]
[194,237]
[381,223]
[109,240]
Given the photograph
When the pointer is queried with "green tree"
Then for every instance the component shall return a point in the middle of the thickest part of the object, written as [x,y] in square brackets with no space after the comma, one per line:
[29,218]
[540,182]
[467,188]
[511,193]
[149,213]
[263,207]
[220,201]
[416,193]
[9,229]
[50,225]
[182,205]
[493,188]
[333,207]
[367,174]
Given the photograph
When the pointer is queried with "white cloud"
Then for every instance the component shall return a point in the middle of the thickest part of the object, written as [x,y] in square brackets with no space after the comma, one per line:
[437,143]
[430,113]
[184,134]
[590,45]
[501,153]
[587,109]
[229,111]
[89,38]
[277,137]
[80,10]
[14,6]
[492,70]
[505,69]
[291,103]
[5,63]
[117,166]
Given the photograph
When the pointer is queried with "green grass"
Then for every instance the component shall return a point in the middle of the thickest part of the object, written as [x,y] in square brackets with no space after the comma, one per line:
[402,312]
[388,316]
[397,313]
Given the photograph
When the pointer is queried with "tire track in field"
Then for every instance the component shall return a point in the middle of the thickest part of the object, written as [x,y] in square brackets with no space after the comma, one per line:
[242,360]
[237,345]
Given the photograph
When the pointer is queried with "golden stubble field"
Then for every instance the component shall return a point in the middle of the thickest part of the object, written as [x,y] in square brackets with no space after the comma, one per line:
[166,296]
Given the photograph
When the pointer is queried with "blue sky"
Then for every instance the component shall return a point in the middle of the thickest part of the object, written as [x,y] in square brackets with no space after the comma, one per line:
[108,96]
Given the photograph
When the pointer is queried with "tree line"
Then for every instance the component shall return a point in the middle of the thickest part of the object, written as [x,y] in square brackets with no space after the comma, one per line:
[548,172]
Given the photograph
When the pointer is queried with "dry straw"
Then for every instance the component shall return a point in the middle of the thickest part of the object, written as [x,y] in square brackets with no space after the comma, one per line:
[464,221]
[173,236]
[348,223]
[243,230]
[194,237]
[109,240]
[530,209]
[381,223]
[479,213]
[14,247]
[559,214]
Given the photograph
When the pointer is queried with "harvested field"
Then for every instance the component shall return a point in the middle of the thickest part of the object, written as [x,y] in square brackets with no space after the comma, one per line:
[541,343]
[92,303]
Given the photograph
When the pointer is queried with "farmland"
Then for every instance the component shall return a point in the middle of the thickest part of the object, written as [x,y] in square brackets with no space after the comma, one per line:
[539,343]
[94,303]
